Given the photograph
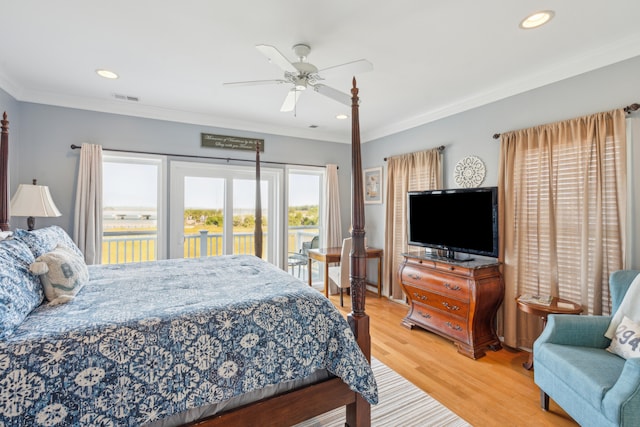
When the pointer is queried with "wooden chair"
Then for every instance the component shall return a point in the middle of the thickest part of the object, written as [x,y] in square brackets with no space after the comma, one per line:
[340,274]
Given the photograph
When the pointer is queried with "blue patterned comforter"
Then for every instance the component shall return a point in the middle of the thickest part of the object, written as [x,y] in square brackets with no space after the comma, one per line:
[143,341]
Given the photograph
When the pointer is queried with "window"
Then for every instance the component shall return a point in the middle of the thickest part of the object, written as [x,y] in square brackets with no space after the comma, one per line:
[304,215]
[132,214]
[211,207]
[563,203]
[572,212]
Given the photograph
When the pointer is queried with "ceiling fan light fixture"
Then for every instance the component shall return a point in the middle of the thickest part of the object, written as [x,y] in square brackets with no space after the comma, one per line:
[301,84]
[342,117]
[537,19]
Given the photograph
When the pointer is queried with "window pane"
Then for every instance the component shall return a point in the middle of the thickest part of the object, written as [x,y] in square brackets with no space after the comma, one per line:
[558,219]
[130,211]
[303,219]
[244,216]
[203,216]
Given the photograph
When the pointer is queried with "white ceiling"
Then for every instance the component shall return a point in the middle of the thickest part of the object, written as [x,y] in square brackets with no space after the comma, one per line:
[431,59]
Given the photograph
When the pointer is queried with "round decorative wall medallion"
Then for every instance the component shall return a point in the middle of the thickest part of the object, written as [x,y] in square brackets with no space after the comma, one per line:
[469,172]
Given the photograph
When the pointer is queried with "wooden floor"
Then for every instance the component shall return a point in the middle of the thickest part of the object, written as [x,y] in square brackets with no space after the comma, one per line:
[494,390]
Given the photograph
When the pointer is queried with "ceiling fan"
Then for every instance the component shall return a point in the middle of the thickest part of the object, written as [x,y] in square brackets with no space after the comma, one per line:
[302,75]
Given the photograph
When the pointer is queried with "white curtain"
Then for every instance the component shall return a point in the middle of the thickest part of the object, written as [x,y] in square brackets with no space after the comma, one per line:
[88,214]
[333,224]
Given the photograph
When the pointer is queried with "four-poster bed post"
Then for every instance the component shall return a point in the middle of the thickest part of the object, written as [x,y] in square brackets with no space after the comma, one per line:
[4,174]
[258,226]
[359,412]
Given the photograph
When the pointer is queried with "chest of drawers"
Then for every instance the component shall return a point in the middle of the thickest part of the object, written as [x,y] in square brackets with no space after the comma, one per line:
[457,300]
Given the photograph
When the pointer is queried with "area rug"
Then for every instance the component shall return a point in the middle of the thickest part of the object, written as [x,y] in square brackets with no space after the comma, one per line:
[400,404]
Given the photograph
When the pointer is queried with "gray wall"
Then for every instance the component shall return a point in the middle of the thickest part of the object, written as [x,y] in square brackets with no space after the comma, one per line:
[470,133]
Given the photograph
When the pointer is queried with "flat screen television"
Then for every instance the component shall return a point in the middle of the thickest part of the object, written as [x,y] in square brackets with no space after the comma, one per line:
[458,220]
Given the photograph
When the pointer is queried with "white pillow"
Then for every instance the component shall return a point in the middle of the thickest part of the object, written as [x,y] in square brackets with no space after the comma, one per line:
[628,307]
[626,342]
[62,274]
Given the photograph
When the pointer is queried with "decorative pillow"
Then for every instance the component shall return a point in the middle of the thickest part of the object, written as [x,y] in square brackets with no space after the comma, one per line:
[20,290]
[62,273]
[626,342]
[628,307]
[5,235]
[46,239]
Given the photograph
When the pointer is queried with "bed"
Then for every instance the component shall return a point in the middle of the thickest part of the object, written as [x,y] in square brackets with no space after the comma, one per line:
[214,341]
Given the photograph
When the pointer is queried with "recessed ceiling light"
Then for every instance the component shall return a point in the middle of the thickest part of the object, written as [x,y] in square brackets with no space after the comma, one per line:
[537,19]
[342,117]
[107,74]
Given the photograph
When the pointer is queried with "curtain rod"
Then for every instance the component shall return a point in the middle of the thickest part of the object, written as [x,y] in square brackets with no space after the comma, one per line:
[628,109]
[440,148]
[192,156]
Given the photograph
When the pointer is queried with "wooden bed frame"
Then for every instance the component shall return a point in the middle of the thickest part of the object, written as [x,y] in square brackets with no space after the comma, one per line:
[307,402]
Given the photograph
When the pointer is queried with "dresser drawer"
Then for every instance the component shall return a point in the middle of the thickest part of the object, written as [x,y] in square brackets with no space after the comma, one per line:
[444,323]
[444,284]
[441,267]
[439,301]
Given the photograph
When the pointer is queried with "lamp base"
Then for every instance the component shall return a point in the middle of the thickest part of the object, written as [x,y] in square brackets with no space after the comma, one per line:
[31,223]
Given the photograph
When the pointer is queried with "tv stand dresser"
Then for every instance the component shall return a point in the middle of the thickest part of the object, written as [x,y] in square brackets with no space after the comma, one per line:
[457,300]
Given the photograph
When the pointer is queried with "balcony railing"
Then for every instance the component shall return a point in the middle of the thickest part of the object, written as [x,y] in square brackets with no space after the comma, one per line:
[128,246]
[138,246]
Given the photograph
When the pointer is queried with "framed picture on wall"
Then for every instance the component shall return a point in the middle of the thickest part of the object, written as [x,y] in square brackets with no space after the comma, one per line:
[372,183]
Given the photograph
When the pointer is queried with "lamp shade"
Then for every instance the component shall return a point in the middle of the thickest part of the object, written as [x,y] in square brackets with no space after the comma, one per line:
[33,200]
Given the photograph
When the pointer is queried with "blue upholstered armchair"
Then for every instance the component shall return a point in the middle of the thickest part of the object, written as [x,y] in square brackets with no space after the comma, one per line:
[572,366]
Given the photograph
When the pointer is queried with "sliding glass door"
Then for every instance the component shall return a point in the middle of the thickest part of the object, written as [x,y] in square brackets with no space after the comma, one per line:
[212,210]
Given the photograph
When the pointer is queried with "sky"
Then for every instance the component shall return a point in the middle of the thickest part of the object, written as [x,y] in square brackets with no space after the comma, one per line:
[128,186]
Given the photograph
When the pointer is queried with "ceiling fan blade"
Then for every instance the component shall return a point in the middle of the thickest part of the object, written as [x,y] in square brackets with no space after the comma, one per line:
[255,82]
[332,93]
[350,69]
[290,101]
[277,58]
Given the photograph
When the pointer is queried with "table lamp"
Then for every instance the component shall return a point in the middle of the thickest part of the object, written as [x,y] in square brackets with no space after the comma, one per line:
[32,201]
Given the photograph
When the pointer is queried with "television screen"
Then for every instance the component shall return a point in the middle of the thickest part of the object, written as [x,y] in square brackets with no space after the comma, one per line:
[460,220]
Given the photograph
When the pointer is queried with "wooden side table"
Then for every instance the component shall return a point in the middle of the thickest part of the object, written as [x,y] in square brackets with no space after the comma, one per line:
[330,255]
[542,311]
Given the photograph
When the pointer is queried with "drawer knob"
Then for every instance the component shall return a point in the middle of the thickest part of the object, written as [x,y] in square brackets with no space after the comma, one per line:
[414,276]
[454,327]
[453,288]
[450,307]
[420,297]
[425,315]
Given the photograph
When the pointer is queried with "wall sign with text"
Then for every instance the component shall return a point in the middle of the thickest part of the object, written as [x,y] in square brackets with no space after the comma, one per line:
[230,142]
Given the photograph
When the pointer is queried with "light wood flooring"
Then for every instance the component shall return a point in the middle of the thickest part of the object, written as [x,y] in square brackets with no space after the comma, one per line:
[494,390]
